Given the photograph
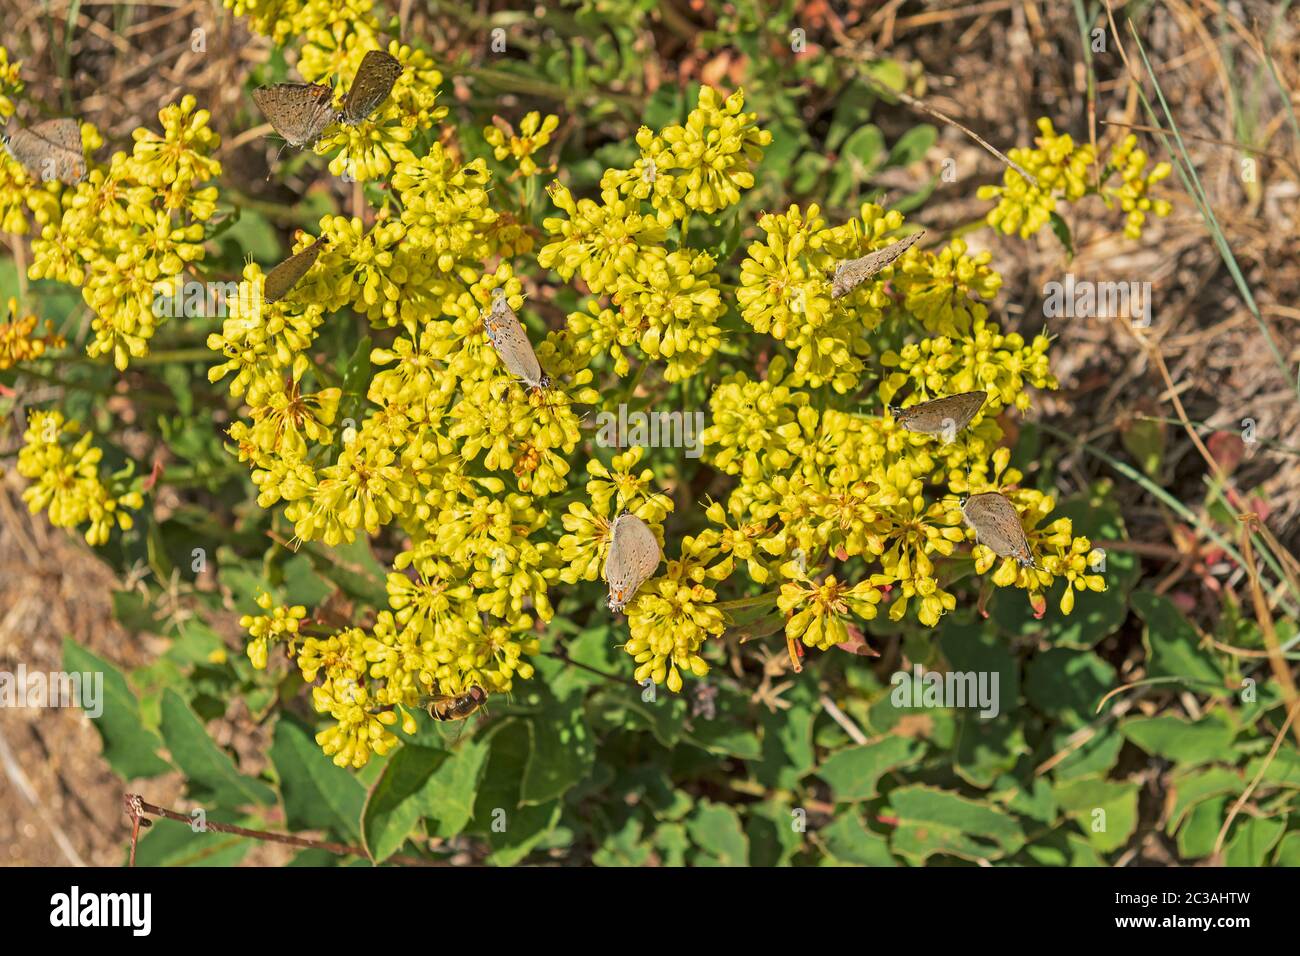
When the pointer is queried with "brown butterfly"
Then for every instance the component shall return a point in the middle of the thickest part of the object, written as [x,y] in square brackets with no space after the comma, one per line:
[941,416]
[287,274]
[298,111]
[997,526]
[371,86]
[49,150]
[852,273]
[508,337]
[632,560]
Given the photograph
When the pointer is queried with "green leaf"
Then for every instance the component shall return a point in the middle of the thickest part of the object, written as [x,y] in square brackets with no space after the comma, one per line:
[662,716]
[970,647]
[512,830]
[561,750]
[1064,849]
[847,841]
[1032,799]
[1097,755]
[1197,836]
[934,821]
[302,585]
[770,827]
[672,843]
[863,150]
[1180,740]
[317,794]
[396,803]
[715,829]
[251,234]
[130,747]
[452,789]
[788,753]
[1288,851]
[352,567]
[1173,646]
[787,141]
[134,612]
[912,146]
[1105,810]
[1144,439]
[809,171]
[1191,787]
[861,155]
[730,732]
[623,847]
[1251,841]
[853,772]
[210,772]
[1067,684]
[889,73]
[1061,229]
[852,110]
[986,749]
[1283,770]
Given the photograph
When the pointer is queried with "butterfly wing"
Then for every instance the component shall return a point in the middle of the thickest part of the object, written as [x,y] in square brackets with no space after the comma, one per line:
[508,337]
[288,273]
[298,111]
[997,525]
[50,150]
[633,558]
[851,274]
[947,415]
[371,86]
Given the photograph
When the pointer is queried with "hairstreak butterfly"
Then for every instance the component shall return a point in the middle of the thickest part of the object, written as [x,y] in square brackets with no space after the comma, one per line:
[944,417]
[508,337]
[852,273]
[997,526]
[633,557]
[298,111]
[49,150]
[286,275]
[371,86]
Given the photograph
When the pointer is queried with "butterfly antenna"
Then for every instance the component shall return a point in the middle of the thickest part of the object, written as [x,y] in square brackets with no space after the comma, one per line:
[276,161]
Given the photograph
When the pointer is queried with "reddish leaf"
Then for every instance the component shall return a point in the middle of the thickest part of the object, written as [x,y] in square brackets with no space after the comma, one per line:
[1227,449]
[857,643]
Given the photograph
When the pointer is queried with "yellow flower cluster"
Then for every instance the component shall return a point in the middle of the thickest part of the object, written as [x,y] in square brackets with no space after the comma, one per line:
[820,490]
[11,84]
[126,234]
[785,291]
[17,341]
[1061,170]
[534,133]
[1059,551]
[450,448]
[1133,195]
[336,35]
[281,624]
[372,148]
[665,301]
[65,480]
[836,511]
